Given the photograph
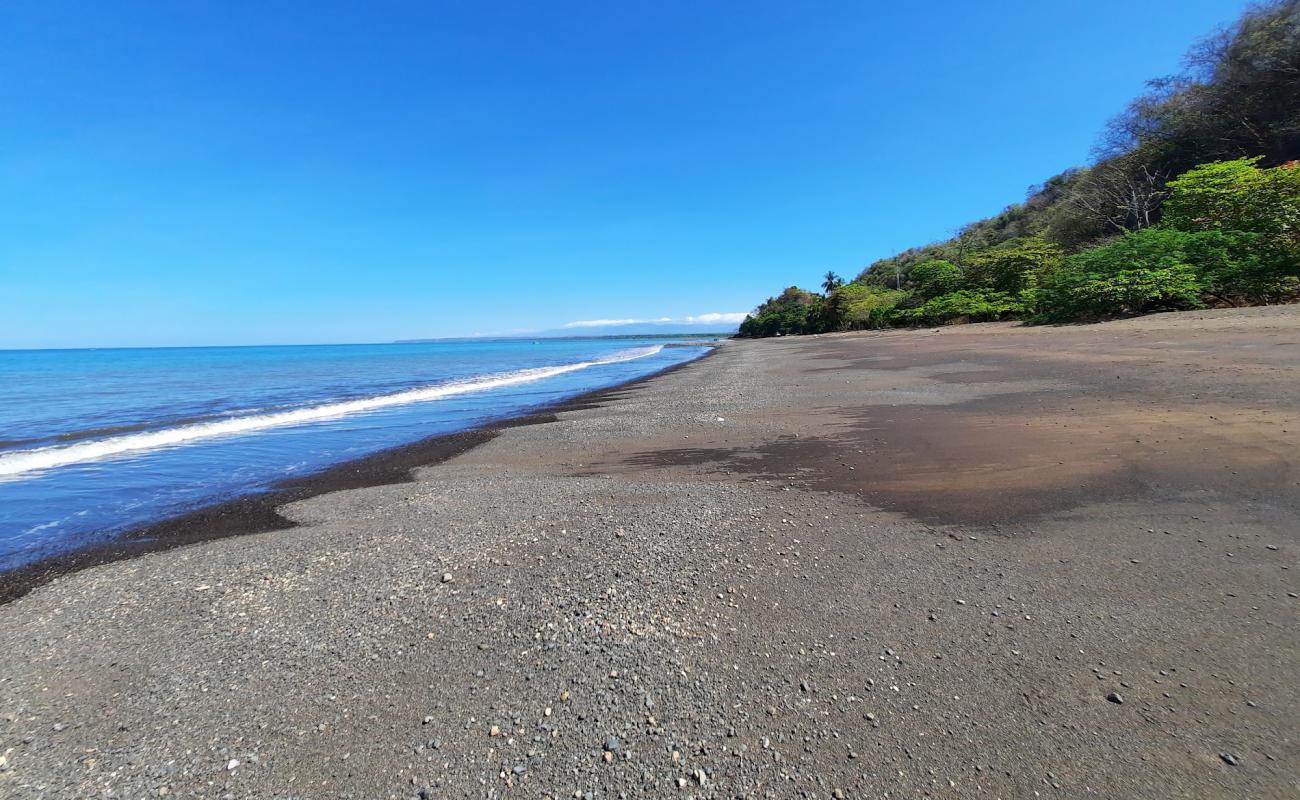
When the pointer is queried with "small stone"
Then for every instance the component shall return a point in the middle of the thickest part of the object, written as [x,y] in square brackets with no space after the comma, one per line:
[494,731]
[232,765]
[1230,759]
[1116,698]
[611,744]
[519,769]
[446,577]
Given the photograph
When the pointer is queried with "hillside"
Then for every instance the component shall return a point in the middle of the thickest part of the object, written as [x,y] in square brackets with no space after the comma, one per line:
[1193,200]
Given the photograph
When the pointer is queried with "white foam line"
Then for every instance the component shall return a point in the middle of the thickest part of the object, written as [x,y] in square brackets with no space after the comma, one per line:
[24,461]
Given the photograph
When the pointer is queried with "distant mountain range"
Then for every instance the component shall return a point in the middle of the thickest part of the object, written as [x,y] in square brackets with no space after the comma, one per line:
[642,329]
[637,329]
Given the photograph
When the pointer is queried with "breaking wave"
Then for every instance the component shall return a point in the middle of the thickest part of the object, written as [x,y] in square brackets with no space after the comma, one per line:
[21,462]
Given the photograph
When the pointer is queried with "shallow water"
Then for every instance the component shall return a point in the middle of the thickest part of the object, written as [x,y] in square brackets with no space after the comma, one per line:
[95,442]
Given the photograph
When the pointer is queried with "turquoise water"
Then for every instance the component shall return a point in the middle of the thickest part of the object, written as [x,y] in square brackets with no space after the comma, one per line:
[95,442]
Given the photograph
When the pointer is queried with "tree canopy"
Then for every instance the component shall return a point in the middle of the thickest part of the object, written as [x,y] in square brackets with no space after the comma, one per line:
[1193,199]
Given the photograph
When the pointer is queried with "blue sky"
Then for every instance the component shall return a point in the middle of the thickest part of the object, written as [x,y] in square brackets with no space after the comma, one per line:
[234,173]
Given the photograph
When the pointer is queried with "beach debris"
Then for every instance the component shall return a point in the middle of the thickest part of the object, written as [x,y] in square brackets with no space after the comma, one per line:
[232,765]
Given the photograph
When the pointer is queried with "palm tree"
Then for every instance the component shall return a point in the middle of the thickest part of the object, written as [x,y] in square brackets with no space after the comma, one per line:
[832,282]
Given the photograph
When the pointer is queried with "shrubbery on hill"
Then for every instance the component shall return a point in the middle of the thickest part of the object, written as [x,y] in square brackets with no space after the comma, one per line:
[1124,236]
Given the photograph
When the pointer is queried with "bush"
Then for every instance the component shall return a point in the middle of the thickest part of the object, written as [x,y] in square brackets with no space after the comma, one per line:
[862,306]
[777,322]
[966,305]
[1237,196]
[795,310]
[1240,267]
[936,277]
[1014,266]
[1147,270]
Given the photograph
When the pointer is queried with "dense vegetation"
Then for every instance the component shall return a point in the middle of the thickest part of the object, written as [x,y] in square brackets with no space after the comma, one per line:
[1193,200]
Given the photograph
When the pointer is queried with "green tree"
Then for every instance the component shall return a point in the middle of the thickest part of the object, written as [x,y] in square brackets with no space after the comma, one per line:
[1014,266]
[1146,270]
[1241,267]
[965,305]
[793,311]
[1238,196]
[936,277]
[864,306]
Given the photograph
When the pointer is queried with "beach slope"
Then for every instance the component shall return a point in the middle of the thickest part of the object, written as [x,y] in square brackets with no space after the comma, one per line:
[979,561]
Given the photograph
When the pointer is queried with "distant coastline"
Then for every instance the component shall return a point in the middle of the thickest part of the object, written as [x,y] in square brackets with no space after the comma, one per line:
[566,335]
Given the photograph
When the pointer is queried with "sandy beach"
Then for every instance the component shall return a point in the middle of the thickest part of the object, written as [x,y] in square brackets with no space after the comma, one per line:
[979,561]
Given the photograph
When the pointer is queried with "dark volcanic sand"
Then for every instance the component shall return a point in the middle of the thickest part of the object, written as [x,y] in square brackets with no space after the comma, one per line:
[880,565]
[259,513]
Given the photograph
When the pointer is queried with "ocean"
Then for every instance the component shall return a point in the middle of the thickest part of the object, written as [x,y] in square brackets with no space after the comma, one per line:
[97,442]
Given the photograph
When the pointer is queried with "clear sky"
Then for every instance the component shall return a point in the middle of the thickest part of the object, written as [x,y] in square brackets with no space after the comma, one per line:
[263,172]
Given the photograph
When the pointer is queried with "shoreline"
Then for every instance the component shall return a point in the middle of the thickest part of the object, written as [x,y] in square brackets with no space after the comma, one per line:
[259,513]
[996,560]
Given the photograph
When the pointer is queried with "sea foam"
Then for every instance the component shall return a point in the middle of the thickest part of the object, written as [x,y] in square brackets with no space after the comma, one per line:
[18,463]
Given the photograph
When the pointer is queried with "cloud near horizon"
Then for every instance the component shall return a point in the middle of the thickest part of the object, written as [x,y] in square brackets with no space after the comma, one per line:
[711,318]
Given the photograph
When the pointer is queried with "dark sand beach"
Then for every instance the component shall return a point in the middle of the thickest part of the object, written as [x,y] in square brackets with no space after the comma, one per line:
[980,561]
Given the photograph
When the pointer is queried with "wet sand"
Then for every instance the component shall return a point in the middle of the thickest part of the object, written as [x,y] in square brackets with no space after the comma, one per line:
[988,561]
[259,513]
